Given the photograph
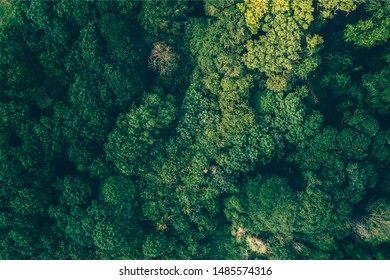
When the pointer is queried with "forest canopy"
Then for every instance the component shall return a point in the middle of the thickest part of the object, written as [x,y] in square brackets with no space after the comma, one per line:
[214,129]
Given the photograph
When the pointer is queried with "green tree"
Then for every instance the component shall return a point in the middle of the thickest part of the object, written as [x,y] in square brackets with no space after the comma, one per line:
[279,54]
[271,202]
[374,227]
[137,132]
[373,31]
[164,16]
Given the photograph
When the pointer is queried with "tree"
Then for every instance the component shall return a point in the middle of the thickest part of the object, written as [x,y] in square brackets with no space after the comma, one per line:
[254,12]
[271,206]
[162,59]
[374,227]
[214,7]
[166,17]
[119,191]
[288,115]
[373,31]
[378,96]
[279,53]
[330,8]
[211,129]
[138,131]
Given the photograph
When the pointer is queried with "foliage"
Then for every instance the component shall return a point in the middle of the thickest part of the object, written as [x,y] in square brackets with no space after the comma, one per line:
[278,52]
[211,129]
[375,226]
[371,32]
[162,59]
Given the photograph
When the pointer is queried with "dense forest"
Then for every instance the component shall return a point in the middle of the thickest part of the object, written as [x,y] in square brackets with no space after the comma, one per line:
[214,129]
